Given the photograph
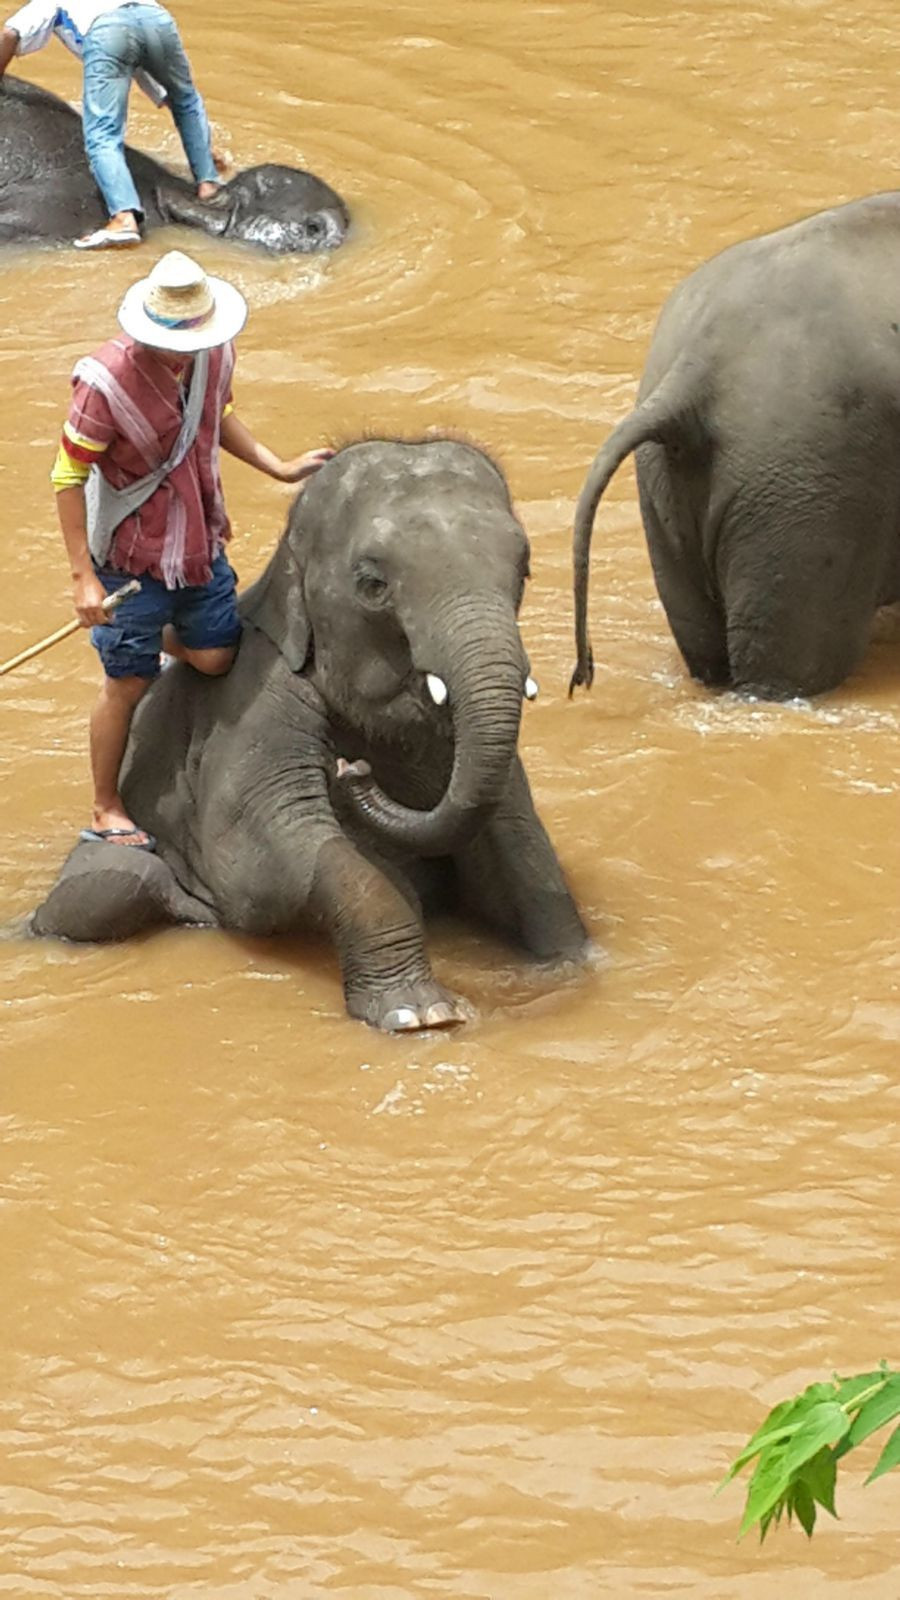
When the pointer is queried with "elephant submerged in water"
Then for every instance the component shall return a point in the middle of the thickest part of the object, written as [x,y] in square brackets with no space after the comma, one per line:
[361,754]
[767,433]
[47,192]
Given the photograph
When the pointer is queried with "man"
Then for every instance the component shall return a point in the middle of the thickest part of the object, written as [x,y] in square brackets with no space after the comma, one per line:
[119,40]
[149,411]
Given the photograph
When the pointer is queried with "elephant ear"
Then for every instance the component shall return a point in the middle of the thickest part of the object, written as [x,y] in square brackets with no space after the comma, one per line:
[275,605]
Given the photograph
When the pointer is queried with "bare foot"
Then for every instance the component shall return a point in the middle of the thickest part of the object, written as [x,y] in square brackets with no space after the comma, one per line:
[207,191]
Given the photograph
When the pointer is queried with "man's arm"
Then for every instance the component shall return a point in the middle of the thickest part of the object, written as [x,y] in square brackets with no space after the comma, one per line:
[239,441]
[88,592]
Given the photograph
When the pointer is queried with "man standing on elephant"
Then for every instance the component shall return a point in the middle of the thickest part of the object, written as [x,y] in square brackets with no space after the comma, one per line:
[119,40]
[139,495]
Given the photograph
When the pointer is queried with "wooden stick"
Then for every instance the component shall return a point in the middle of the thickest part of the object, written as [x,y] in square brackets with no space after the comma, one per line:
[109,605]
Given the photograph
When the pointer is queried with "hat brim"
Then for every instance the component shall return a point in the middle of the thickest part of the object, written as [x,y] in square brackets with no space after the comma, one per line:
[226,322]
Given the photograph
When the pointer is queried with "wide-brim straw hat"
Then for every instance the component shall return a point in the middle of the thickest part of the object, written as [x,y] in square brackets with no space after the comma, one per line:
[178,306]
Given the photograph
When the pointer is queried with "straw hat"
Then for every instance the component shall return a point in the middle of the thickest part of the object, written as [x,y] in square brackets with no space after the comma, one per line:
[179,307]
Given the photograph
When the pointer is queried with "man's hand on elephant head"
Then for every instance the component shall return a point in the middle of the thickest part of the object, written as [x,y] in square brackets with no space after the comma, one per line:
[304,466]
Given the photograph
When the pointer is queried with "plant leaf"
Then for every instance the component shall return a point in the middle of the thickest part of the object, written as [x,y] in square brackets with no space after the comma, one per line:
[825,1424]
[783,1420]
[889,1458]
[883,1407]
[849,1388]
[819,1475]
[781,1463]
[804,1507]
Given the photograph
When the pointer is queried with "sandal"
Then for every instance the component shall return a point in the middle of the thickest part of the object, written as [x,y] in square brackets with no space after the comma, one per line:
[107,238]
[129,838]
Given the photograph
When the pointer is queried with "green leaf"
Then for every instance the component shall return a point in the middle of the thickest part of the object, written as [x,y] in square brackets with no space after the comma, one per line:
[771,1516]
[882,1408]
[849,1389]
[825,1423]
[889,1458]
[782,1421]
[819,1475]
[804,1507]
[780,1464]
[767,1489]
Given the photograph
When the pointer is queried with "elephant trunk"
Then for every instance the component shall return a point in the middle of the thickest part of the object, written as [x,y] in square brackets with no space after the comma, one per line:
[482,662]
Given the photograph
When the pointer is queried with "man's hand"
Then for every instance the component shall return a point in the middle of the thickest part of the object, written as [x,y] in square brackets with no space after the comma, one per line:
[304,466]
[88,595]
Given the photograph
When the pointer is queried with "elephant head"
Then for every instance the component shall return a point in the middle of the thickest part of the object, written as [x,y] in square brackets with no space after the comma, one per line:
[281,208]
[396,587]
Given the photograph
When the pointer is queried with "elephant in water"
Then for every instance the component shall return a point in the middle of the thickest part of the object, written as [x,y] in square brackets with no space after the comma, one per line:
[359,759]
[47,192]
[767,433]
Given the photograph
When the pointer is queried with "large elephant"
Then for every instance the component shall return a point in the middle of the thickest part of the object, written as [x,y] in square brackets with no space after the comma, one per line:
[767,433]
[47,192]
[360,757]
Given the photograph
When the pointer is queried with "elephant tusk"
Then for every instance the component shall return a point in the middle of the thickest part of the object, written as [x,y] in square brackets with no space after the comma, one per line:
[436,688]
[531,689]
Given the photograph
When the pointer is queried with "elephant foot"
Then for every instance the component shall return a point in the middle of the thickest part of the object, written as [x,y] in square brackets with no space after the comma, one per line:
[407,1008]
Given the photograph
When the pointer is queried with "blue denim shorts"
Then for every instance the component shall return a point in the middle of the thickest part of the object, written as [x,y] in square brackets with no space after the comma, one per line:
[204,616]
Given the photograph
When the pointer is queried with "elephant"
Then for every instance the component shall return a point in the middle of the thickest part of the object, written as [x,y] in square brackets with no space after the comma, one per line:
[767,433]
[47,192]
[358,765]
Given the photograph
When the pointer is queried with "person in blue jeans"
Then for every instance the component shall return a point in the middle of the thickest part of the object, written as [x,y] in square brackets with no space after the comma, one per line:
[119,40]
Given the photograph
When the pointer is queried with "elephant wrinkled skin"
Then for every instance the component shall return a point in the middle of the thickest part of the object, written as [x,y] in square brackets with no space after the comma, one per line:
[47,192]
[767,432]
[360,758]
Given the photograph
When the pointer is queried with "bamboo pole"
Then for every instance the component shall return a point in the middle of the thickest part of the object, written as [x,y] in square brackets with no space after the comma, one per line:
[109,605]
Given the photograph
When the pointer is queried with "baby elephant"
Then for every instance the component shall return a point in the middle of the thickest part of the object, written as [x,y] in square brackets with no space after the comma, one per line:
[359,759]
[768,455]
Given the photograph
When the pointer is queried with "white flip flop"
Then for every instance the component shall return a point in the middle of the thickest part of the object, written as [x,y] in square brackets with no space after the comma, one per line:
[107,239]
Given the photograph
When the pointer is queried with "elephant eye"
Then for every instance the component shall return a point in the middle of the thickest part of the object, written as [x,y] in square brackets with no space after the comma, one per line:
[370,585]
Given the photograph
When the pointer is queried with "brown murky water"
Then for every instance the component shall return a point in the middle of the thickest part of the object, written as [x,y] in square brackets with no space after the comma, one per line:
[290,1309]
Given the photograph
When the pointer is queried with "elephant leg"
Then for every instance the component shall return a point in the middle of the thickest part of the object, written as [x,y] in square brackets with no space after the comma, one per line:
[800,608]
[107,891]
[510,877]
[378,934]
[695,616]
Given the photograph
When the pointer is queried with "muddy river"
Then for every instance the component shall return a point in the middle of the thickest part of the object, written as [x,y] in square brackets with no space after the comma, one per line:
[292,1309]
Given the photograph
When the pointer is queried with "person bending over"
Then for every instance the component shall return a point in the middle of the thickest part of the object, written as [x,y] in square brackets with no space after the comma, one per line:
[138,494]
[119,40]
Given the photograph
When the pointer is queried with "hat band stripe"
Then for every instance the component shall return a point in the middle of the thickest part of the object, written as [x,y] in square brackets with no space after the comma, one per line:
[181,324]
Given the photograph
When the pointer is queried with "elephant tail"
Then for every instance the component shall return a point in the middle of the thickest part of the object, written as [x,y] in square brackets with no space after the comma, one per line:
[655,420]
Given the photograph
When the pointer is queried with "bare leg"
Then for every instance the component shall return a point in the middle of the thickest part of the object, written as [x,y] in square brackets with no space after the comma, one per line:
[213,662]
[110,722]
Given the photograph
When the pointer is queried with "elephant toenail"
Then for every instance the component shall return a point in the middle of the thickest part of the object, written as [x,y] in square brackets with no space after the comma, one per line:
[401,1019]
[438,1015]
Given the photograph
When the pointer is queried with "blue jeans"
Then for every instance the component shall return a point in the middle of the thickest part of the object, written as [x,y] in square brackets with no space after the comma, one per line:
[205,617]
[120,43]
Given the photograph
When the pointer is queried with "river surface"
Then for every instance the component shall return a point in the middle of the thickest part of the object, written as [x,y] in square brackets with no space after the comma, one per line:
[291,1309]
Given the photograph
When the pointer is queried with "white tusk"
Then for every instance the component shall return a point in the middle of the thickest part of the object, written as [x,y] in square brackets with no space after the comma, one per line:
[531,689]
[436,688]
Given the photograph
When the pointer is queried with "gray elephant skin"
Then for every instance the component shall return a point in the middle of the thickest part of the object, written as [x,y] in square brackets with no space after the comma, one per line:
[47,192]
[359,761]
[767,433]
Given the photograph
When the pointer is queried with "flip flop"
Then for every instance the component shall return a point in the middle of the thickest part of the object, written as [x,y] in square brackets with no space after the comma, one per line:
[113,835]
[107,239]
